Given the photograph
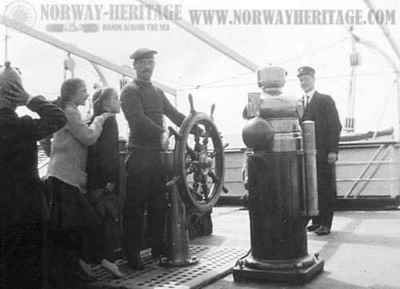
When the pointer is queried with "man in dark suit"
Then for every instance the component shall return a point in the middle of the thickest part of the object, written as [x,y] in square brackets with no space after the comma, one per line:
[22,205]
[321,109]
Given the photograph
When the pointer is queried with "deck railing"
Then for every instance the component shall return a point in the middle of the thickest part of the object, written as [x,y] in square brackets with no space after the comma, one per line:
[364,169]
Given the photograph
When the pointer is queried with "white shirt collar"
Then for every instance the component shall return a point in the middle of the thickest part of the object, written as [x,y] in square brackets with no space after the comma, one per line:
[310,93]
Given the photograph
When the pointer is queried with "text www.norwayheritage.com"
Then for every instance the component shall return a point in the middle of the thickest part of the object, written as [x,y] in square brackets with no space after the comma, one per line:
[291,17]
[129,17]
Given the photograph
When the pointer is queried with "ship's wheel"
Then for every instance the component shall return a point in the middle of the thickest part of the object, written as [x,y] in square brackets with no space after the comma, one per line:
[199,160]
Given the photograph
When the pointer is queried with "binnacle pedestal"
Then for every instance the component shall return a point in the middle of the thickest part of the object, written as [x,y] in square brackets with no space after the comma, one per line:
[277,225]
[282,190]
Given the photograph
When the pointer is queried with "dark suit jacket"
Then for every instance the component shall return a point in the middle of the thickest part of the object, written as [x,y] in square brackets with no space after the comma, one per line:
[323,112]
[21,197]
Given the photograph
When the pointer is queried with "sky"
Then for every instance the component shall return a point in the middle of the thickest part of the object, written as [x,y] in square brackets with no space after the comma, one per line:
[191,66]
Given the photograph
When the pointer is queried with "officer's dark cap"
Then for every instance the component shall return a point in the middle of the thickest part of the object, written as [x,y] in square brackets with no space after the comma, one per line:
[306,70]
[142,53]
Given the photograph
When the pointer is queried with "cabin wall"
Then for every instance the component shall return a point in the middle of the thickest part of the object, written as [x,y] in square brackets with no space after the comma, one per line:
[368,169]
[234,160]
[364,169]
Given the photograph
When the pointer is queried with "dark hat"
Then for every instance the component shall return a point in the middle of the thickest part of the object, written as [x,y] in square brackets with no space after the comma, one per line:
[9,75]
[142,53]
[305,70]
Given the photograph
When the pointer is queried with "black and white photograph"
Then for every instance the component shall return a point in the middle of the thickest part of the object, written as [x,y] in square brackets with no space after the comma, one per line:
[187,144]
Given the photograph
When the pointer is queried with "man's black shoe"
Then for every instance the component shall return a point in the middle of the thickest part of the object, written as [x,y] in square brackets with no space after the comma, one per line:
[322,230]
[313,227]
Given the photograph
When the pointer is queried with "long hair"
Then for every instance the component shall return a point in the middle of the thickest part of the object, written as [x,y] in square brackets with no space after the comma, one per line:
[99,97]
[68,90]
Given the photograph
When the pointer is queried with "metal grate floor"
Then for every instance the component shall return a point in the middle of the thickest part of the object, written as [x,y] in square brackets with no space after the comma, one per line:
[214,263]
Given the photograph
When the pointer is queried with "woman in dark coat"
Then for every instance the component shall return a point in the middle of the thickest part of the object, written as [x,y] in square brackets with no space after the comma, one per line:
[103,180]
[23,207]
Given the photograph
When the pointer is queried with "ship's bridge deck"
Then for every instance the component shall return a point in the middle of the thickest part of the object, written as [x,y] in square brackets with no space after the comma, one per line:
[363,250]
